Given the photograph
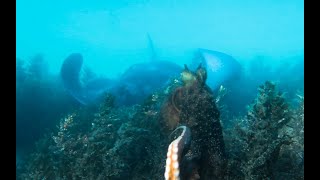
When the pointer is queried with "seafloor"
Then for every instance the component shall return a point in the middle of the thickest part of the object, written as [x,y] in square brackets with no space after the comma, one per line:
[109,142]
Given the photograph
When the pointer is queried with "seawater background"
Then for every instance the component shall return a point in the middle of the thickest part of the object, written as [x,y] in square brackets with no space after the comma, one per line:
[112,34]
[267,37]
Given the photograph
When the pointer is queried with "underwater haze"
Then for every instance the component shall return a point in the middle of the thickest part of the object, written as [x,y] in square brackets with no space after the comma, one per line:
[106,89]
[112,34]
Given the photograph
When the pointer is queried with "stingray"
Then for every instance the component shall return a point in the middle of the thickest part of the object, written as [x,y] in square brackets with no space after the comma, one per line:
[132,87]
[142,79]
[82,84]
[221,68]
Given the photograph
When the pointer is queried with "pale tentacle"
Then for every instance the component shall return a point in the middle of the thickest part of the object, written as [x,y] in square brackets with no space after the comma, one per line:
[174,153]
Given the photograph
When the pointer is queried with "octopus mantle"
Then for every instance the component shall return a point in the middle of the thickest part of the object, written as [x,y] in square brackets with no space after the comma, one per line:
[193,106]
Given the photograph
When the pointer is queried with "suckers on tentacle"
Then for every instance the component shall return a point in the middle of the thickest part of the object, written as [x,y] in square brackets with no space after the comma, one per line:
[174,153]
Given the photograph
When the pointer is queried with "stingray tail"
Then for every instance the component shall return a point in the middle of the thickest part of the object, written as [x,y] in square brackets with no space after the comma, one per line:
[151,47]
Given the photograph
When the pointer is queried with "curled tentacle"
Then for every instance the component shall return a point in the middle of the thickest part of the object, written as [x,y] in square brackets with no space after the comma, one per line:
[174,153]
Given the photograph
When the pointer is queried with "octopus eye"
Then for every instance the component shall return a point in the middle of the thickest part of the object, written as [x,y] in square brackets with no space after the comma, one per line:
[201,74]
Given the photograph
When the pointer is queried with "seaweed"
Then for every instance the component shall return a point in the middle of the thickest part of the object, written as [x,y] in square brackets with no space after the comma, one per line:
[112,142]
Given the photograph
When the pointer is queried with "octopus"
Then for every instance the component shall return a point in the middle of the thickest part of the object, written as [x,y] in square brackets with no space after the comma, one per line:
[192,108]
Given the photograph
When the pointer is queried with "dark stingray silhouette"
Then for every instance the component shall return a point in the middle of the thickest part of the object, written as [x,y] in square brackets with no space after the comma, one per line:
[142,79]
[83,87]
[135,84]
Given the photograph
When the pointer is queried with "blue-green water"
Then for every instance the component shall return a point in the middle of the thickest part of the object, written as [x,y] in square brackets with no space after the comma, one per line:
[265,37]
[112,34]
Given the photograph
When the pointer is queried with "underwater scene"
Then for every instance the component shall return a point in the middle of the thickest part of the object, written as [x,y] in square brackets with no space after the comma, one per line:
[159,89]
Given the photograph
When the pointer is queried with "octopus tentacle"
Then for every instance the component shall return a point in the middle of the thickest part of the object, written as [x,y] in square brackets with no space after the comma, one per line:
[174,153]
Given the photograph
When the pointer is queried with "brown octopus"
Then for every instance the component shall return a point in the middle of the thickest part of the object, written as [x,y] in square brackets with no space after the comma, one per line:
[192,108]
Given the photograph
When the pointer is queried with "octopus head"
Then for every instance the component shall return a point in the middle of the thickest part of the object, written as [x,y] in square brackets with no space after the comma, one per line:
[201,74]
[187,76]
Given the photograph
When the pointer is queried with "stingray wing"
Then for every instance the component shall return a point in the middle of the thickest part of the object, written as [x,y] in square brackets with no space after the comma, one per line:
[220,67]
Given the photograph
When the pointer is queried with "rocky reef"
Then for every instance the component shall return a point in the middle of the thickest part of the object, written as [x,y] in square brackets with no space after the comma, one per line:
[112,142]
[268,142]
